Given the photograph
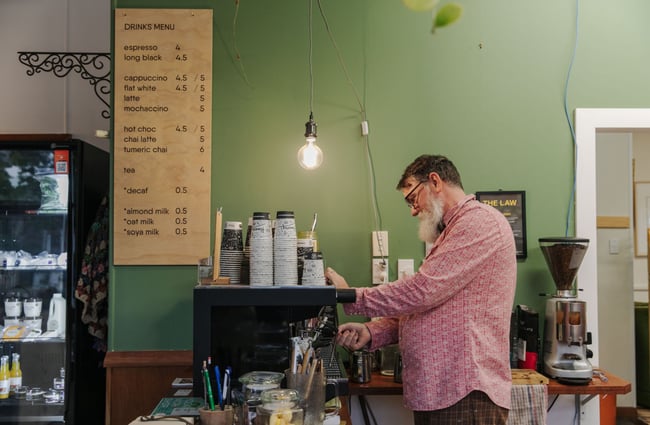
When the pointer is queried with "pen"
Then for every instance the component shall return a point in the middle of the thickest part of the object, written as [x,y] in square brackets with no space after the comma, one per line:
[226,385]
[217,376]
[208,387]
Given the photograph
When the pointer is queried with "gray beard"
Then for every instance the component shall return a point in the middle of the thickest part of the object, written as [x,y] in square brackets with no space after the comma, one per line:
[430,220]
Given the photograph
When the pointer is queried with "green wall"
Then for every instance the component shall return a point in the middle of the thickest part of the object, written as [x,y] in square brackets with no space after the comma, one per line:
[487,91]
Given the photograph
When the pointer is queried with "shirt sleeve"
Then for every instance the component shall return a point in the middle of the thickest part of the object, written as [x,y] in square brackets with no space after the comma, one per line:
[456,259]
[384,331]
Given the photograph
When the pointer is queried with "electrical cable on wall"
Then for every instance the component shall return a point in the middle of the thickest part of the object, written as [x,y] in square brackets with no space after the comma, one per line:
[364,123]
[568,118]
[576,416]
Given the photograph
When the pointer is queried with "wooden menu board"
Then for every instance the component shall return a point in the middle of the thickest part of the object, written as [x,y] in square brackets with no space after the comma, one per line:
[162,136]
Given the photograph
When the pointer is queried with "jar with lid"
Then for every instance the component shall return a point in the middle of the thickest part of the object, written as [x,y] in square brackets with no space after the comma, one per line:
[253,384]
[280,407]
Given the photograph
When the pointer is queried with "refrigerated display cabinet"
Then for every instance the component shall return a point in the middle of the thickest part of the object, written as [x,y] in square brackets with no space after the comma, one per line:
[51,187]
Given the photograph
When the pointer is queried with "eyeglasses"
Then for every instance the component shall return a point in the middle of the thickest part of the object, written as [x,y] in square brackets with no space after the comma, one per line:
[410,202]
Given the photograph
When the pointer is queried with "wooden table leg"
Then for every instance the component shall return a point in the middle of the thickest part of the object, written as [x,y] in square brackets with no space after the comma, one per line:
[607,409]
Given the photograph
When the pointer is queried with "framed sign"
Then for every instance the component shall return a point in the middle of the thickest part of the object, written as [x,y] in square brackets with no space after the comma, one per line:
[512,205]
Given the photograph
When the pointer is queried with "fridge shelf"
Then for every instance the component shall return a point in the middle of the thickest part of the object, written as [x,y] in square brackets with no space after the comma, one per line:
[40,339]
[22,411]
[8,212]
[5,269]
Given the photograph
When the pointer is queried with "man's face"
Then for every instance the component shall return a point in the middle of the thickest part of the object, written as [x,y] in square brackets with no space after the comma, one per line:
[426,205]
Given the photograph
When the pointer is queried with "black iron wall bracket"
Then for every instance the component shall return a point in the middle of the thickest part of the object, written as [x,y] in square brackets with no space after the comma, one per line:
[93,67]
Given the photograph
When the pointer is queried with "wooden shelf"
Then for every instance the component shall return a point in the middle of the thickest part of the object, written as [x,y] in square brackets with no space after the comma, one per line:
[384,385]
[614,385]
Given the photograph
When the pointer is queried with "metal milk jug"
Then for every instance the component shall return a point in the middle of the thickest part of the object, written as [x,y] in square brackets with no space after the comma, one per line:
[361,366]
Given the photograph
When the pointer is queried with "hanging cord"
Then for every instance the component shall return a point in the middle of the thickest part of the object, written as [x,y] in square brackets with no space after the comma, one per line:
[366,138]
[310,53]
[235,48]
[340,57]
[373,187]
[568,118]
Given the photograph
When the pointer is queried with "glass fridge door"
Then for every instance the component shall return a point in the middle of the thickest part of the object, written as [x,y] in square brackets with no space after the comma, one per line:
[34,242]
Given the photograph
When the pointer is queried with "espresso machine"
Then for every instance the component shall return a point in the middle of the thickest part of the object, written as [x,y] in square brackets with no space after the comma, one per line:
[565,331]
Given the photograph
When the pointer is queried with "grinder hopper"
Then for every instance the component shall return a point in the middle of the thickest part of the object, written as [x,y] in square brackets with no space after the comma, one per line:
[563,257]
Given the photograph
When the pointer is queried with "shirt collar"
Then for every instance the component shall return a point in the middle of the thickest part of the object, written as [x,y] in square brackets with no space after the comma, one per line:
[446,218]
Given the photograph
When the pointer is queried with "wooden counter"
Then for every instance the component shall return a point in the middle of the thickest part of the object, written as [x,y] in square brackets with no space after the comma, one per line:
[614,385]
[379,385]
[607,389]
[384,385]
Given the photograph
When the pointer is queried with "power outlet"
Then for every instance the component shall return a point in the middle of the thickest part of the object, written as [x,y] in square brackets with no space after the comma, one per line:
[379,271]
[380,244]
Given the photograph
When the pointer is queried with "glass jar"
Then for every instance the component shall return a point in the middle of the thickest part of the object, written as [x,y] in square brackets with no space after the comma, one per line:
[253,384]
[280,407]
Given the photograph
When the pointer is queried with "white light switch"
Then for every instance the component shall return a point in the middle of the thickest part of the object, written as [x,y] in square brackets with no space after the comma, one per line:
[614,246]
[405,267]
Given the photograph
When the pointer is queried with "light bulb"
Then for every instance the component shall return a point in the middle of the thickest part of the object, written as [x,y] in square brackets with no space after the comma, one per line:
[310,156]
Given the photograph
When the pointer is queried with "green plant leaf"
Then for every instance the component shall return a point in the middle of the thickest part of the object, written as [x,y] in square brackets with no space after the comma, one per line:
[447,15]
[420,5]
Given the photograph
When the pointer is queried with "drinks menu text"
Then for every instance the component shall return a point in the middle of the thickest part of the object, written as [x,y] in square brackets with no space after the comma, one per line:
[162,136]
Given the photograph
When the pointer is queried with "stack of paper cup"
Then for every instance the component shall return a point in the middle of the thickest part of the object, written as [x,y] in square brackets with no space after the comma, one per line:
[246,259]
[305,248]
[285,250]
[261,244]
[232,251]
[313,273]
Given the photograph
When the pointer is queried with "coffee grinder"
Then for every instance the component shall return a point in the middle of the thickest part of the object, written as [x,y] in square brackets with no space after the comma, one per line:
[565,334]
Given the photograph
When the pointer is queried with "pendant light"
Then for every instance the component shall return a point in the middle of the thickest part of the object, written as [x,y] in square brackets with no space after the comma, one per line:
[310,156]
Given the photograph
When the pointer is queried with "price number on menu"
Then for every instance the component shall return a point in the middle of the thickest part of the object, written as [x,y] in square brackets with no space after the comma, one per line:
[181,221]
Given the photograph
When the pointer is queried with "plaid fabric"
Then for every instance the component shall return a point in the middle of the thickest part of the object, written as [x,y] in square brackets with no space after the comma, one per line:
[528,405]
[474,409]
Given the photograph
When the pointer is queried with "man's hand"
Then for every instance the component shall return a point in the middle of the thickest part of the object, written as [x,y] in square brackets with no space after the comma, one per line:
[353,336]
[335,279]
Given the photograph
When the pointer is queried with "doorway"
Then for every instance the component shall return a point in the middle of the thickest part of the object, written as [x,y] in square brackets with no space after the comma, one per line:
[588,123]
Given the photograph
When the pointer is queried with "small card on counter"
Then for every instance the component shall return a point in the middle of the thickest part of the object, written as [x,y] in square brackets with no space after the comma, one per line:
[150,420]
[182,383]
[178,406]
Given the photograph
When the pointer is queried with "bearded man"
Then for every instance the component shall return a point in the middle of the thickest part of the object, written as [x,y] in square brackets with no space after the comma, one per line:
[451,318]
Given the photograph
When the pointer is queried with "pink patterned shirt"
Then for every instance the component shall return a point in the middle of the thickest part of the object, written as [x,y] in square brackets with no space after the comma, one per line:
[451,318]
